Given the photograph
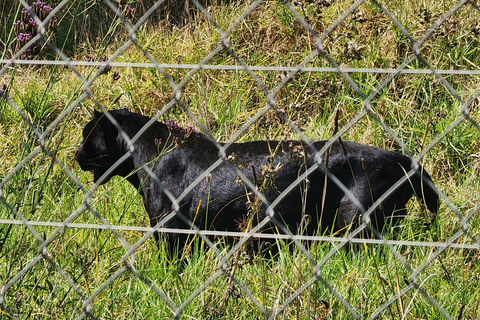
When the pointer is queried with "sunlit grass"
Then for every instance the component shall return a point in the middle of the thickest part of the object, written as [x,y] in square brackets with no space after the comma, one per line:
[417,108]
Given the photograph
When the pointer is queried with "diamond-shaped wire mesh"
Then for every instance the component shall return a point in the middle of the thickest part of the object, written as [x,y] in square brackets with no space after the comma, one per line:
[399,76]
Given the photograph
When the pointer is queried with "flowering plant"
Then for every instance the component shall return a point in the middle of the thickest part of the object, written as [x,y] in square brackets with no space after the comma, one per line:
[3,90]
[26,28]
[178,135]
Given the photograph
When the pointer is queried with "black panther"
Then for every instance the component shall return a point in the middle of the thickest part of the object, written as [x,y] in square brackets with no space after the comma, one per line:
[223,201]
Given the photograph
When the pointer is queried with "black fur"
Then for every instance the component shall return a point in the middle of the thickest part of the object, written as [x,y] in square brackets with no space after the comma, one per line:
[221,201]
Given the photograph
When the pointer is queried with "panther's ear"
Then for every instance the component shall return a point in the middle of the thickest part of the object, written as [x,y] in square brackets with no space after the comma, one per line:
[97,114]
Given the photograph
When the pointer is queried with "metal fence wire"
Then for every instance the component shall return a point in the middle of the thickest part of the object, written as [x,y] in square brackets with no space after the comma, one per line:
[40,280]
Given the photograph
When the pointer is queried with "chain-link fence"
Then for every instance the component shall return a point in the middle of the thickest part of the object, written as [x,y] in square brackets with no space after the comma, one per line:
[401,76]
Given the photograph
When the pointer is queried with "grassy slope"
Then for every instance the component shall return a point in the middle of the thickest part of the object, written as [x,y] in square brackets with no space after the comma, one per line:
[416,107]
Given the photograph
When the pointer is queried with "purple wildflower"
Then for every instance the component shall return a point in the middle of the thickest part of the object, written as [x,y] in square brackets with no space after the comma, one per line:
[191,133]
[3,90]
[127,12]
[26,28]
[103,59]
[157,141]
[32,22]
[24,37]
[174,127]
[18,27]
[107,68]
[37,7]
[25,16]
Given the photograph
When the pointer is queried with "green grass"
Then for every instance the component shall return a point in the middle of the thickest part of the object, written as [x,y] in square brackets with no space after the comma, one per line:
[417,108]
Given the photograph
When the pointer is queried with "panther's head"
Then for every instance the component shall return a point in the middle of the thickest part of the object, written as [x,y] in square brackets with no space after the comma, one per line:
[100,149]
